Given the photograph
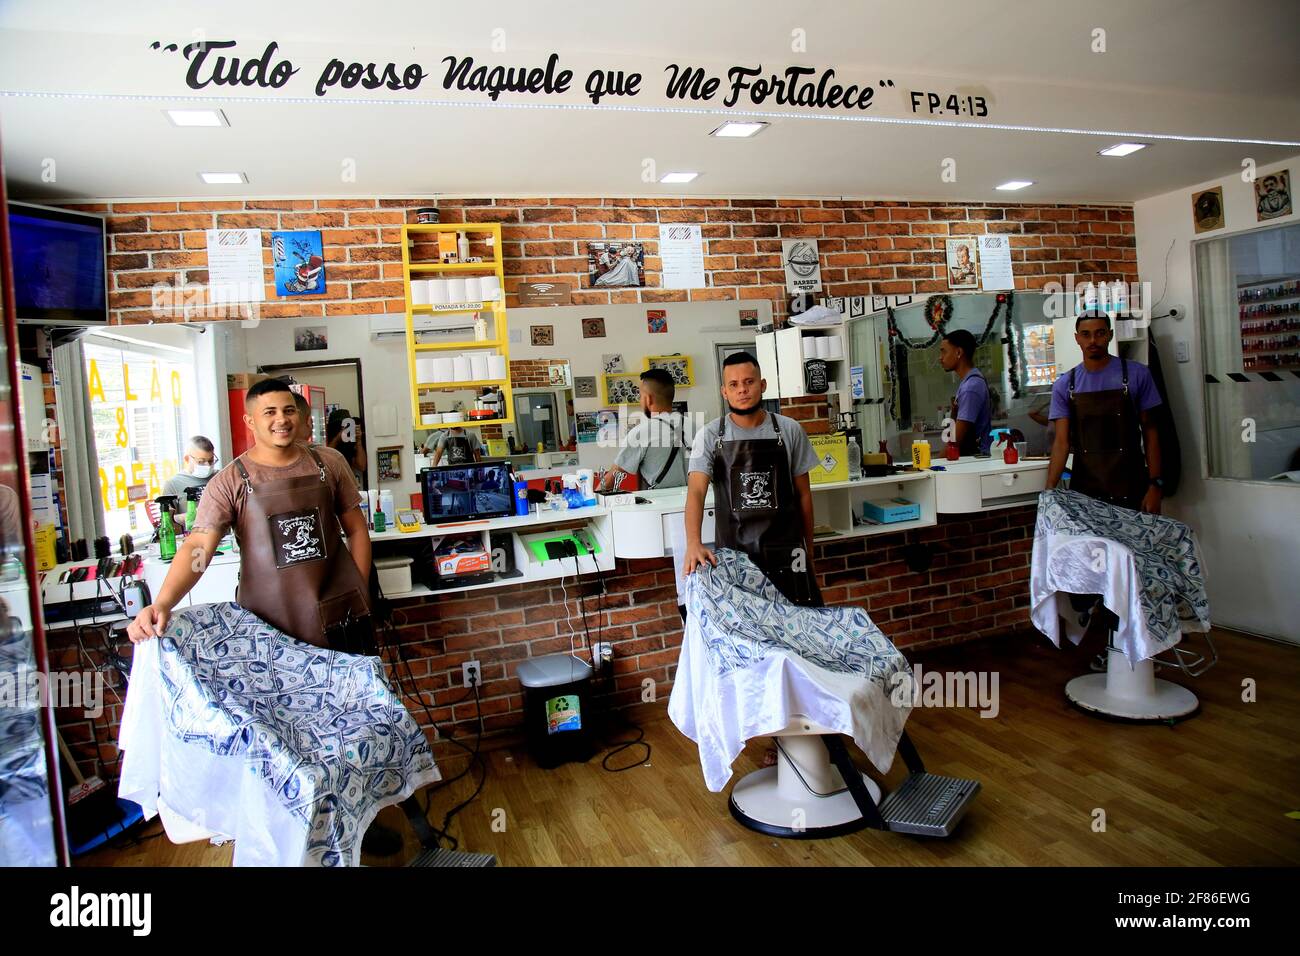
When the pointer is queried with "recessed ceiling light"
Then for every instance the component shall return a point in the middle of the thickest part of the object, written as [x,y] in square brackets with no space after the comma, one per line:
[1121,149]
[677,177]
[738,129]
[1016,184]
[197,117]
[223,179]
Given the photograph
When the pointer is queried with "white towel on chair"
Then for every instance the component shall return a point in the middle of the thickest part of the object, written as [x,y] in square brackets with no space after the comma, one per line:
[751,661]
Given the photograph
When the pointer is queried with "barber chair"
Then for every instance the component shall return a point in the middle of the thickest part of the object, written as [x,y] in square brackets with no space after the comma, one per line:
[1133,692]
[815,791]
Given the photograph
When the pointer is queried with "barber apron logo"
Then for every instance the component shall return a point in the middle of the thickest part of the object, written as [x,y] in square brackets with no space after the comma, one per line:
[757,491]
[457,451]
[297,537]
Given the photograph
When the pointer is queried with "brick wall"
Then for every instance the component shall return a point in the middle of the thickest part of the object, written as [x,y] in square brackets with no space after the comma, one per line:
[976,586]
[867,247]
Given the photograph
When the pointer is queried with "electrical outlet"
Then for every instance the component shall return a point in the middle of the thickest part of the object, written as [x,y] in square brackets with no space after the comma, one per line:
[471,674]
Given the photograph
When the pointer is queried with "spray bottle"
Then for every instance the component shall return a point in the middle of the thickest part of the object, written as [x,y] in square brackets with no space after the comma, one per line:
[166,529]
[191,505]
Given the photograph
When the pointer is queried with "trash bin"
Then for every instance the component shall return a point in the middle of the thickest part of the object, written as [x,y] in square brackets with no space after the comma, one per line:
[557,709]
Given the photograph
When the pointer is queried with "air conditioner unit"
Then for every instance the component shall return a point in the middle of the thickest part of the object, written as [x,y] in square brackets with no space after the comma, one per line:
[393,326]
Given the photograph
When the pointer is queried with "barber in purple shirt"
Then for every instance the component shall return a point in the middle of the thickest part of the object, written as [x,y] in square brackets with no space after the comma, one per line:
[973,407]
[1101,411]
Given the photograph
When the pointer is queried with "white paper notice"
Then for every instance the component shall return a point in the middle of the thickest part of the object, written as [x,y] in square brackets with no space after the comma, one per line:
[681,254]
[235,265]
[995,263]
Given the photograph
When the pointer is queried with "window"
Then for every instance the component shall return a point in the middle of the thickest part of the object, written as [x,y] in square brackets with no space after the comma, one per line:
[140,404]
[1248,291]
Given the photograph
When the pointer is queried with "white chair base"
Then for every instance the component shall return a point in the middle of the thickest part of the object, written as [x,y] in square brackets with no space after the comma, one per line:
[1131,693]
[803,796]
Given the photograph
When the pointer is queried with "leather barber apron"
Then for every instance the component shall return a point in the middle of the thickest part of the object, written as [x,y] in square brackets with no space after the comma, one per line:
[295,571]
[458,450]
[1106,441]
[756,512]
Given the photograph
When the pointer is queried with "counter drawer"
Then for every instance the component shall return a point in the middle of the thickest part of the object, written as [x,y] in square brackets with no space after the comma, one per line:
[1013,484]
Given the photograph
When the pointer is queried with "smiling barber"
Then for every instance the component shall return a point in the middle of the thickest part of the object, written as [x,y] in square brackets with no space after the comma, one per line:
[758,464]
[290,506]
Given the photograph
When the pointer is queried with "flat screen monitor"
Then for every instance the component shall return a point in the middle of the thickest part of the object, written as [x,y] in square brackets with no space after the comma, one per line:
[59,265]
[454,492]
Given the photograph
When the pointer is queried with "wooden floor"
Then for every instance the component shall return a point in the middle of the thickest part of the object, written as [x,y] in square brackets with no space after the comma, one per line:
[1214,789]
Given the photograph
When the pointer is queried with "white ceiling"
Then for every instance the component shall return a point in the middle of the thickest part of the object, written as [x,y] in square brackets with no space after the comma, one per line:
[1172,67]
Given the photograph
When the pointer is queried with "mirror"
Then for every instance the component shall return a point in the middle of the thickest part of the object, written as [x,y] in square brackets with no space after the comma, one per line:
[30,832]
[146,390]
[905,388]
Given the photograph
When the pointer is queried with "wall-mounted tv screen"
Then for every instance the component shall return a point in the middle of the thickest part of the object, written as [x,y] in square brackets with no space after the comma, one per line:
[59,265]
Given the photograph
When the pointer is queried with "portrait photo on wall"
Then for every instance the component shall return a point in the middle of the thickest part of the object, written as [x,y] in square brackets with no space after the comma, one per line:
[1207,209]
[298,258]
[962,273]
[1273,195]
[614,264]
[310,339]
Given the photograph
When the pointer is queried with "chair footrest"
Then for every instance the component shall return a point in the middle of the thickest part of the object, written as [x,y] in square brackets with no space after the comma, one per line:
[928,805]
[440,858]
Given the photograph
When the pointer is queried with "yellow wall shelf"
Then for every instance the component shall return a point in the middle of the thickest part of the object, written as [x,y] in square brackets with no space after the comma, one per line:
[499,343]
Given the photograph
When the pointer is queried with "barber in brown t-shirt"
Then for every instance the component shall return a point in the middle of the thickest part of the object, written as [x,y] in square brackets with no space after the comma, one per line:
[287,503]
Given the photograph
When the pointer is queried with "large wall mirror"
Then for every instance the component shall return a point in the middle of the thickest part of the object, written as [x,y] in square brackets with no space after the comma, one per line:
[133,398]
[906,391]
[1248,289]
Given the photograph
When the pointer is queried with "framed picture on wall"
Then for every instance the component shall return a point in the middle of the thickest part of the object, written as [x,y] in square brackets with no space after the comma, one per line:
[584,386]
[622,388]
[1207,209]
[962,272]
[593,328]
[678,366]
[1273,195]
[542,334]
[390,463]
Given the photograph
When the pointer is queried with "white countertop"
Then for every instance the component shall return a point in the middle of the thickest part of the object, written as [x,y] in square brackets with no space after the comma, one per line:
[507,523]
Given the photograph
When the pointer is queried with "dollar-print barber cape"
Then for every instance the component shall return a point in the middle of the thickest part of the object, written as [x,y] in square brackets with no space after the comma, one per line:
[234,730]
[1147,569]
[751,660]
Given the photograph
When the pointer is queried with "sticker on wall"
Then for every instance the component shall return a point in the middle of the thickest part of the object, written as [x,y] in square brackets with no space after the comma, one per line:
[545,293]
[803,270]
[748,318]
[311,339]
[1207,209]
[390,463]
[656,321]
[962,270]
[299,261]
[593,328]
[584,386]
[1273,195]
[614,264]
[542,334]
[611,362]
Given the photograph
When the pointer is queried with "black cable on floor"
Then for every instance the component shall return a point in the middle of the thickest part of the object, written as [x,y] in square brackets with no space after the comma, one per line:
[618,745]
[385,615]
